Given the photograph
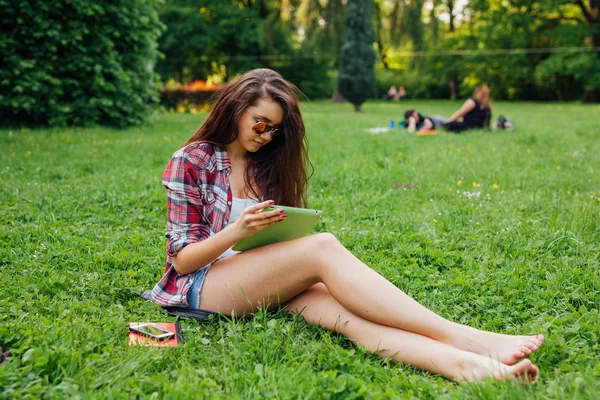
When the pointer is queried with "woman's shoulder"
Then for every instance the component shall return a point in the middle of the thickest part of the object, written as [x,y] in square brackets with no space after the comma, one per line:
[198,155]
[478,102]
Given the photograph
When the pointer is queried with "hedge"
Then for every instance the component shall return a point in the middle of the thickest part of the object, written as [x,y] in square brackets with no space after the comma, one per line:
[77,62]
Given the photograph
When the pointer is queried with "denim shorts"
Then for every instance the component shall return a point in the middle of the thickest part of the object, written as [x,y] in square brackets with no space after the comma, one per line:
[193,295]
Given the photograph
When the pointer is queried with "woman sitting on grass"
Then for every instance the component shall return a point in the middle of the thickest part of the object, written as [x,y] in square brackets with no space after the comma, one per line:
[475,113]
[251,153]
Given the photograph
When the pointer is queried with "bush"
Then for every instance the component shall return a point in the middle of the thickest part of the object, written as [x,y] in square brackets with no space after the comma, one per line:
[425,85]
[175,98]
[311,75]
[77,62]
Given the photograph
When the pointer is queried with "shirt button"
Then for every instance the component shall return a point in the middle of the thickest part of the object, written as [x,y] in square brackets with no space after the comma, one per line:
[229,203]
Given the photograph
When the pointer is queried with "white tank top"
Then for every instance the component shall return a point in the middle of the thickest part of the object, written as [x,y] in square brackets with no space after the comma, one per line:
[237,206]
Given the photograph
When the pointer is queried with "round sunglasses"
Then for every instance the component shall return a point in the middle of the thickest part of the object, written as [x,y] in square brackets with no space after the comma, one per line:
[260,127]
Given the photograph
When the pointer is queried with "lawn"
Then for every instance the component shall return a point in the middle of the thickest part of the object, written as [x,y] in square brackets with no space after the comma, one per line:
[498,230]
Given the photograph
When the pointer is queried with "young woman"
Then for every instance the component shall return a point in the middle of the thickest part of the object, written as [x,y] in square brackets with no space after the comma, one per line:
[251,153]
[476,112]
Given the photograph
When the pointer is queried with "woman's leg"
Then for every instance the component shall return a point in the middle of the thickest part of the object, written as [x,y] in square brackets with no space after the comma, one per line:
[274,274]
[317,306]
[456,126]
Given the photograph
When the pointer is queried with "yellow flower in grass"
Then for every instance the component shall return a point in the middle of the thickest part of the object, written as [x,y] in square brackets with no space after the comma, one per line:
[475,184]
[459,182]
[528,150]
[558,167]
[496,186]
[28,153]
[450,189]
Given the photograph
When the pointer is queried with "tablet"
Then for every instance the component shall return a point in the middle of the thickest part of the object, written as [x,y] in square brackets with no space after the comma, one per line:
[298,223]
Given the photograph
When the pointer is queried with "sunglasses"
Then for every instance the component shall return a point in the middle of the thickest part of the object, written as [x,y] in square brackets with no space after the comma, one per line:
[262,127]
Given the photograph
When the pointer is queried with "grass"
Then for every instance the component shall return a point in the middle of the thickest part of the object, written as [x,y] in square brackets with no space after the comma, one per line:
[498,230]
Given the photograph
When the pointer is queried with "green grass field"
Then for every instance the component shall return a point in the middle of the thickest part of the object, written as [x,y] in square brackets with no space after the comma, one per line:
[498,230]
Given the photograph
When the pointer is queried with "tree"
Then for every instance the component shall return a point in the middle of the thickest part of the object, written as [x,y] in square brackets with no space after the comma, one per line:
[357,78]
[200,32]
[77,62]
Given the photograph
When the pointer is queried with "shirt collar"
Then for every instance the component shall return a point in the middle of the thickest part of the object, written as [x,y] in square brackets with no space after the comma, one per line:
[223,162]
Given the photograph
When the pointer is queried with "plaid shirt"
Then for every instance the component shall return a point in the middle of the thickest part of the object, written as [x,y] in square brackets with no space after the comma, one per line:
[198,206]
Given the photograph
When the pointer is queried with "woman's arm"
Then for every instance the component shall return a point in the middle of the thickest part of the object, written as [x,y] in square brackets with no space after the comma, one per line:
[466,107]
[427,125]
[412,125]
[196,255]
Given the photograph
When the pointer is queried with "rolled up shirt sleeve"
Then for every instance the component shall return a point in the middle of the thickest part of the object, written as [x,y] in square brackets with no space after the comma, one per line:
[185,224]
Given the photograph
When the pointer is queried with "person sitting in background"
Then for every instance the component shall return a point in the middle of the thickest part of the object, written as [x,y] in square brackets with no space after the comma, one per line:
[392,93]
[401,94]
[417,122]
[475,113]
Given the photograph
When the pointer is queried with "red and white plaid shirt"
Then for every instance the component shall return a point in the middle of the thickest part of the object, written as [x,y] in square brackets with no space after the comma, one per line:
[198,206]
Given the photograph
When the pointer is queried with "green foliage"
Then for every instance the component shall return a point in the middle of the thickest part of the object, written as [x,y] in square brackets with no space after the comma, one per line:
[357,81]
[418,84]
[517,259]
[203,35]
[201,32]
[77,62]
[310,74]
[523,25]
[484,26]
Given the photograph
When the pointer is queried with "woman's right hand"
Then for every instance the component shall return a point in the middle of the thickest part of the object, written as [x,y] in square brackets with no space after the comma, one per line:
[253,219]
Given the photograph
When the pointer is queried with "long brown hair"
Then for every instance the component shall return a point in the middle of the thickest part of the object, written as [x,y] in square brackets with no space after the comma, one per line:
[482,93]
[278,169]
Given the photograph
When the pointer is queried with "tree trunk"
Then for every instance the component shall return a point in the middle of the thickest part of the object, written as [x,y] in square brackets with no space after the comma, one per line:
[452,76]
[452,84]
[357,108]
[394,23]
[591,96]
[591,15]
[264,10]
[451,13]
[337,97]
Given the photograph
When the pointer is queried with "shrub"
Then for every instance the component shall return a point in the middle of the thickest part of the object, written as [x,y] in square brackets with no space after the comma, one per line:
[425,85]
[77,62]
[311,75]
[191,96]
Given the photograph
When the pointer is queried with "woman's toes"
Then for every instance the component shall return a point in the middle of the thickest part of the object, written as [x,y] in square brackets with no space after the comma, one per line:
[532,346]
[518,355]
[534,372]
[540,339]
[524,369]
[525,350]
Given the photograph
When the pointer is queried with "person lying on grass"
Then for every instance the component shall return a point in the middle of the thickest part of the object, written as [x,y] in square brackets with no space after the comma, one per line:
[251,153]
[417,122]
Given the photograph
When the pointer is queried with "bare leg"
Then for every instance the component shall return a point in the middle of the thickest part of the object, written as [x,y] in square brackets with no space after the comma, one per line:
[276,273]
[317,306]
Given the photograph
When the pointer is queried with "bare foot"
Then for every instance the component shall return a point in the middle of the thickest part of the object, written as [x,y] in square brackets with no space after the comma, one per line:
[476,368]
[505,348]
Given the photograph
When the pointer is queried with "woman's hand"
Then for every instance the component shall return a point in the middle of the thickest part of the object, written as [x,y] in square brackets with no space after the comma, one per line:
[253,219]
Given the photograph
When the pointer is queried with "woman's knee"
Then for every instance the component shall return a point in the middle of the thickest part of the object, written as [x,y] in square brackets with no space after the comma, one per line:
[318,307]
[325,240]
